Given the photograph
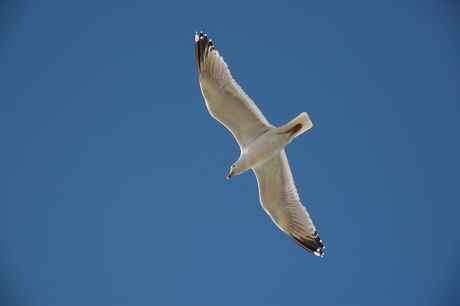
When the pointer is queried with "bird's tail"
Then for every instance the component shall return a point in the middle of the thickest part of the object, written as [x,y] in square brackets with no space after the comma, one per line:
[296,126]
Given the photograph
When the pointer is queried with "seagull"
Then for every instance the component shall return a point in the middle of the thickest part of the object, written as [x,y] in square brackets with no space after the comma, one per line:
[261,145]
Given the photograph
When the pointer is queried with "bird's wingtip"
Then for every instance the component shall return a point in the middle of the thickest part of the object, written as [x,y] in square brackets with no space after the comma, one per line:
[319,252]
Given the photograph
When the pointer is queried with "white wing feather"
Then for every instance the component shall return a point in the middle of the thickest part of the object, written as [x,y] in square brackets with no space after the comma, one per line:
[278,196]
[225,99]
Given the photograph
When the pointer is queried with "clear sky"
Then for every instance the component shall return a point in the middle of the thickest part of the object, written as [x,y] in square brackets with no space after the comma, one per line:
[112,171]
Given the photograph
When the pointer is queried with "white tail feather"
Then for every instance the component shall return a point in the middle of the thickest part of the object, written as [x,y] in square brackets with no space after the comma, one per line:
[293,126]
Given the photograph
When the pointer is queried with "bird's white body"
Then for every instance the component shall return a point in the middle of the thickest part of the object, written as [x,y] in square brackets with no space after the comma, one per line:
[270,143]
[262,145]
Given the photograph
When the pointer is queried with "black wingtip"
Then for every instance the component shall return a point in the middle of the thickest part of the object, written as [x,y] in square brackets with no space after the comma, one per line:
[203,46]
[202,39]
[312,245]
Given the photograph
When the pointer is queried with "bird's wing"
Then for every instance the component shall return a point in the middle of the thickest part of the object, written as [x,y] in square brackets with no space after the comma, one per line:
[279,197]
[225,99]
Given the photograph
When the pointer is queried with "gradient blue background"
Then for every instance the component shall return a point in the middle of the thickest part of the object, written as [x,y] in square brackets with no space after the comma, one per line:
[113,186]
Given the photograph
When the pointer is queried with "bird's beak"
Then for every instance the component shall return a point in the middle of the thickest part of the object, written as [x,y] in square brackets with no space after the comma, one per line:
[230,175]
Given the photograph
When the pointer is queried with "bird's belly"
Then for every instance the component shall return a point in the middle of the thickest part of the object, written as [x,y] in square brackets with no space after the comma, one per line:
[264,148]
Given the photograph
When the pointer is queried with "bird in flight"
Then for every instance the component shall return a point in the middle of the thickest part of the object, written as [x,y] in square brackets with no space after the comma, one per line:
[261,144]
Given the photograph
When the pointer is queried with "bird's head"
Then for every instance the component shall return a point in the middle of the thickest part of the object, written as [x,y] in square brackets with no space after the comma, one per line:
[238,167]
[232,172]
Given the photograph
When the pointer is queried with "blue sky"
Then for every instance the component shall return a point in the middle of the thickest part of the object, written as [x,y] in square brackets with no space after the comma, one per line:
[112,172]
